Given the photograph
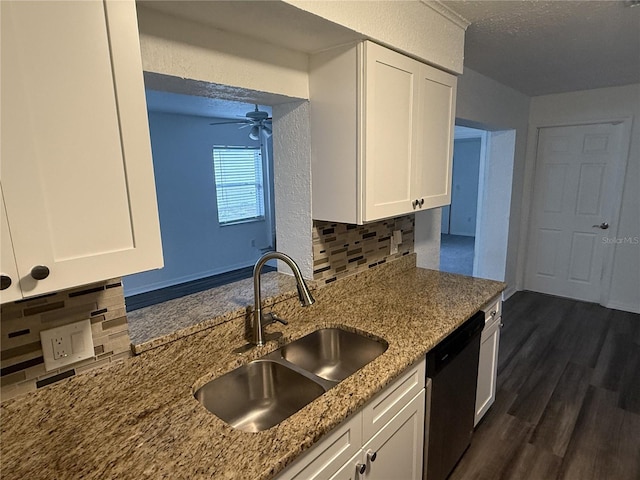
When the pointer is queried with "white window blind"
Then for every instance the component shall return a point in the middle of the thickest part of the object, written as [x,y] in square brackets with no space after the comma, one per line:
[239,184]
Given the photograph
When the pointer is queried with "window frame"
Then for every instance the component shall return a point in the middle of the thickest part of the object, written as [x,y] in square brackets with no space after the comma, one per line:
[261,191]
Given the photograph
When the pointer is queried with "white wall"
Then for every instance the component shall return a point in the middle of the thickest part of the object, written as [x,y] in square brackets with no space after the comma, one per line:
[194,243]
[183,49]
[487,104]
[423,30]
[492,229]
[292,164]
[598,105]
[427,238]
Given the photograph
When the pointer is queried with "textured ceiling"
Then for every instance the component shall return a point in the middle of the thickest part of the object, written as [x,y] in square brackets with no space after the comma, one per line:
[542,47]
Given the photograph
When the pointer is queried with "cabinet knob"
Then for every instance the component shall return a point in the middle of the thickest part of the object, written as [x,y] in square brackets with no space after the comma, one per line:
[421,202]
[5,282]
[371,455]
[493,313]
[361,468]
[415,204]
[40,272]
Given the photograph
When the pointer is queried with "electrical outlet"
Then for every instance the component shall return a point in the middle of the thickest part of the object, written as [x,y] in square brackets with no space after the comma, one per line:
[61,348]
[67,344]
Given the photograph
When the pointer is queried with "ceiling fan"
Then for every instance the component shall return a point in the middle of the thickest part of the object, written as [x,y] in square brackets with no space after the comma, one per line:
[257,120]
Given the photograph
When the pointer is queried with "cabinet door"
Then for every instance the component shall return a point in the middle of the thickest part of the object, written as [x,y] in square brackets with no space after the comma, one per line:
[387,403]
[434,137]
[398,447]
[487,369]
[388,141]
[329,455]
[350,470]
[76,160]
[7,261]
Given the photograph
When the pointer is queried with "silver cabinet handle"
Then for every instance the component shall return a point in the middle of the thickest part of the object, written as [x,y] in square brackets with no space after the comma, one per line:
[5,282]
[40,272]
[371,455]
[421,202]
[361,468]
[415,204]
[603,226]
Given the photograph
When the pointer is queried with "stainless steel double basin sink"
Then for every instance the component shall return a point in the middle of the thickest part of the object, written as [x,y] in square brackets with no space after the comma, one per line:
[262,393]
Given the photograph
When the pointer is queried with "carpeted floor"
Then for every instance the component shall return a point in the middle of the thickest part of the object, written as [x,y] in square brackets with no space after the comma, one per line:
[456,254]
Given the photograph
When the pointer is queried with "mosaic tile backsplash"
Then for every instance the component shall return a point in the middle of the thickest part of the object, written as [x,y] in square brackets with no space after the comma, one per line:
[22,368]
[341,249]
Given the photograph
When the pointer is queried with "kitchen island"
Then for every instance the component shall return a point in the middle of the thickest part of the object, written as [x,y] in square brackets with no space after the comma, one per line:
[139,419]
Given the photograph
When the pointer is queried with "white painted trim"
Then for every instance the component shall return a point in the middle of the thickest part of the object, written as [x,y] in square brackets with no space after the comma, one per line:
[447,13]
[609,254]
[627,307]
[529,177]
[508,292]
[482,197]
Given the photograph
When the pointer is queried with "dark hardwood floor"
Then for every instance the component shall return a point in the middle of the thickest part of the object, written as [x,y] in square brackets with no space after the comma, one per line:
[568,399]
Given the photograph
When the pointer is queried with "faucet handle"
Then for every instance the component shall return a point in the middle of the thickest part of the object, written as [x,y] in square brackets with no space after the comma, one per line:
[269,318]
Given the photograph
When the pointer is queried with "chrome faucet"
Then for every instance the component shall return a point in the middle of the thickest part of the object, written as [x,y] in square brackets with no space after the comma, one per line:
[260,320]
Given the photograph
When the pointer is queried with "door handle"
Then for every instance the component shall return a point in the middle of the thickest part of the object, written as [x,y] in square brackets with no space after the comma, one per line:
[603,226]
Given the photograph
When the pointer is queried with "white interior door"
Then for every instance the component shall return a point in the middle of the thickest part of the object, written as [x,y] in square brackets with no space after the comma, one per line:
[577,168]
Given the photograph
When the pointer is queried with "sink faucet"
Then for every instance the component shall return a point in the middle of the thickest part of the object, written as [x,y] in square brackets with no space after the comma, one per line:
[260,320]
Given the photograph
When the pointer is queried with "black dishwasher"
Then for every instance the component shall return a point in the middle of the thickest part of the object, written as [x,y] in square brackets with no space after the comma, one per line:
[453,368]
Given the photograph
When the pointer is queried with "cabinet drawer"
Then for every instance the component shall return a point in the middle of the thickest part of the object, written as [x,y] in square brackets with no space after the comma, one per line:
[384,406]
[492,310]
[329,455]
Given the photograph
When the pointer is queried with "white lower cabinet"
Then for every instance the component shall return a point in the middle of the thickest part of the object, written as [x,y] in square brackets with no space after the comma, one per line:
[488,362]
[396,451]
[382,441]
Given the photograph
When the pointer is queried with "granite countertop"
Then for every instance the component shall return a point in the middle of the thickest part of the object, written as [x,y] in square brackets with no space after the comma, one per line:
[139,419]
[165,322]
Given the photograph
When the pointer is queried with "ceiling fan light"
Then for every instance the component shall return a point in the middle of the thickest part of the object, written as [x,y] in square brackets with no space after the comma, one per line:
[254,134]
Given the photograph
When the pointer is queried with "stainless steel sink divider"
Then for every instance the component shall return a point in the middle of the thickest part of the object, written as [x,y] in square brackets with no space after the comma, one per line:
[276,356]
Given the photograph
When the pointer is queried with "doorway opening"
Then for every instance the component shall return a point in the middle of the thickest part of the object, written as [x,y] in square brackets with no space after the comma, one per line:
[475,227]
[458,222]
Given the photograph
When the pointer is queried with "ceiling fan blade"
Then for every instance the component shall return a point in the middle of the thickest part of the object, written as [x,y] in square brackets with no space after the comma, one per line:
[230,122]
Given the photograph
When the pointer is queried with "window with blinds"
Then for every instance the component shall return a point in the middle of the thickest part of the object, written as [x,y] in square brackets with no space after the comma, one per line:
[239,184]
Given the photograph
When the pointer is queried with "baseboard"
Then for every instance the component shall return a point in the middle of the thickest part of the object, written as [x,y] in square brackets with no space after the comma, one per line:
[627,307]
[510,290]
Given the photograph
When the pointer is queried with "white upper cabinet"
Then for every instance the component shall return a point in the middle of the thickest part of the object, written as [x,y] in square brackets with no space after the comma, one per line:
[9,285]
[381,134]
[77,175]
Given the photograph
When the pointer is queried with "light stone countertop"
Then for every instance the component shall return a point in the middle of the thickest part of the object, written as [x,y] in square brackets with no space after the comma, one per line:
[139,419]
